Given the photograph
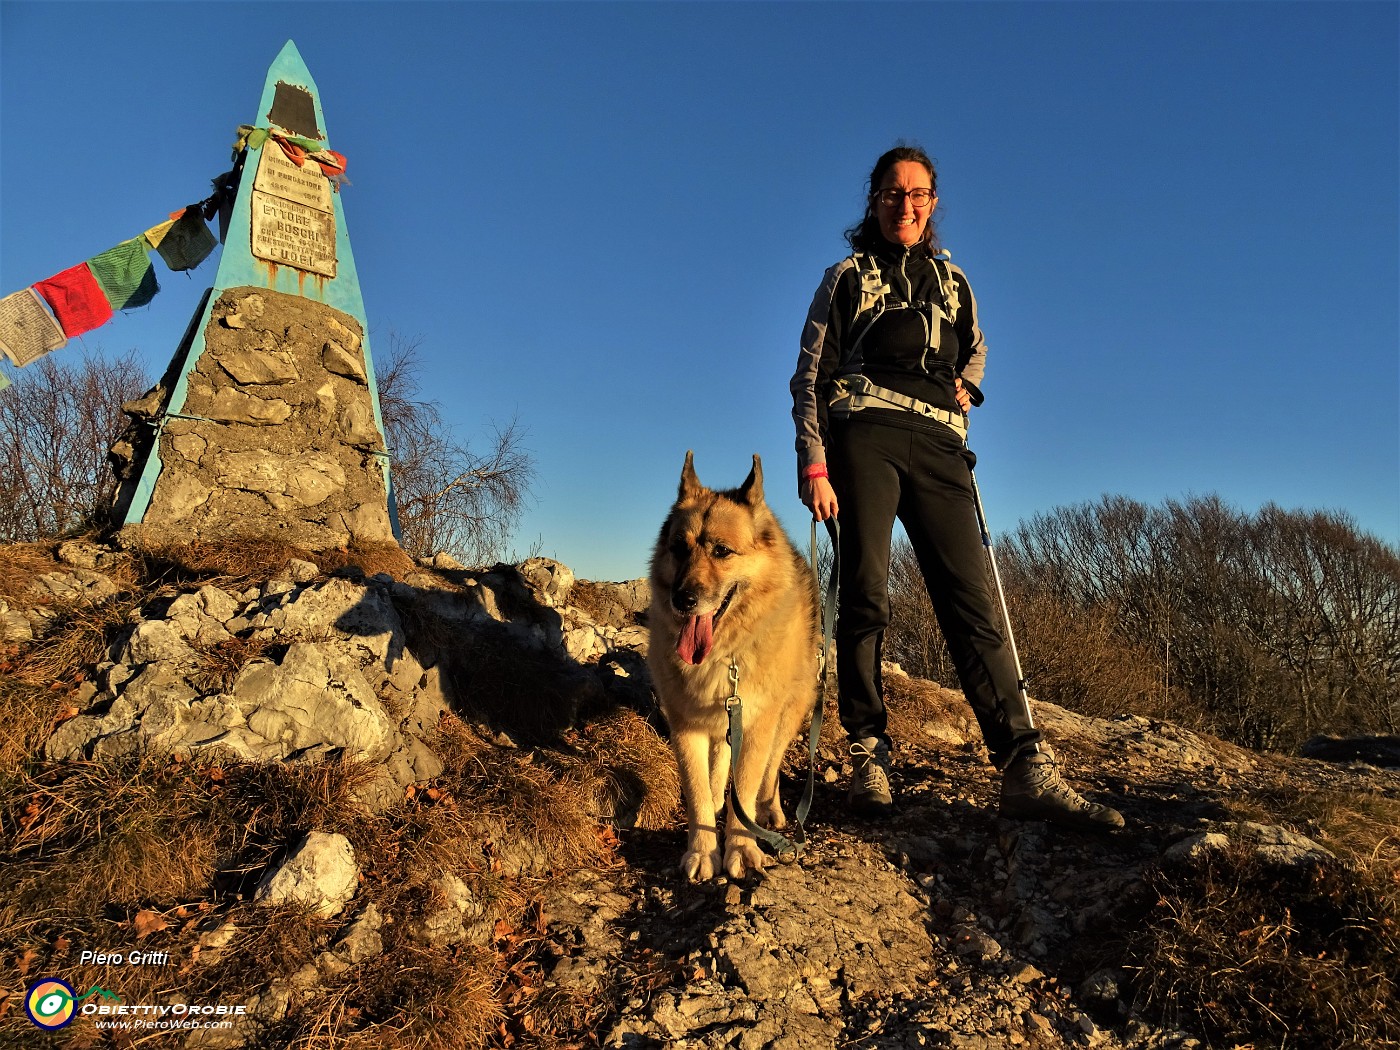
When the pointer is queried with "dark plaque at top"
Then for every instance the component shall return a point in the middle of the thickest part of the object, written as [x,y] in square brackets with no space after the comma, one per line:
[294,110]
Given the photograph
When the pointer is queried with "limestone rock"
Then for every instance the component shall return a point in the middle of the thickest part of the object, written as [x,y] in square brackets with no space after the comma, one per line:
[454,917]
[319,873]
[311,699]
[83,555]
[268,442]
[361,614]
[74,586]
[304,480]
[153,641]
[234,406]
[180,495]
[259,367]
[342,362]
[357,426]
[549,579]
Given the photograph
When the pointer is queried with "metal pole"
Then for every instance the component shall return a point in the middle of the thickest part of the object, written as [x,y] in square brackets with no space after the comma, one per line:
[1001,595]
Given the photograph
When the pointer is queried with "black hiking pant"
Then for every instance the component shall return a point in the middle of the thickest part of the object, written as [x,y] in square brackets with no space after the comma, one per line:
[922,477]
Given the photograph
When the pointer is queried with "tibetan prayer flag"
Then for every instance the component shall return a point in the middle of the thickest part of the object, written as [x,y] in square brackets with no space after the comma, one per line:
[126,275]
[76,300]
[156,234]
[26,329]
[188,242]
[4,380]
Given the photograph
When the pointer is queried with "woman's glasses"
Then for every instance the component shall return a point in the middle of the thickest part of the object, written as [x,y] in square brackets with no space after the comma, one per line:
[892,198]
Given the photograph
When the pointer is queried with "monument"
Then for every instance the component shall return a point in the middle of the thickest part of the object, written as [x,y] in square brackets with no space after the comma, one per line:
[267,424]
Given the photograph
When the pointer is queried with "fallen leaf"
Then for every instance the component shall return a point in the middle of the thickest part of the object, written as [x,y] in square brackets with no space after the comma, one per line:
[149,922]
[26,961]
[62,945]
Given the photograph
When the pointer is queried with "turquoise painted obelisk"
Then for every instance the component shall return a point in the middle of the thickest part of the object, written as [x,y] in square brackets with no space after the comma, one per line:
[286,234]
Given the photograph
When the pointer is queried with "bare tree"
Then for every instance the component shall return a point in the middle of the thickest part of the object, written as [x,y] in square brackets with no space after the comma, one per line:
[56,424]
[450,497]
[1271,627]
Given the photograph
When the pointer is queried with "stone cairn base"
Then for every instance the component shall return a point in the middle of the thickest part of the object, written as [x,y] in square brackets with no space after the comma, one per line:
[276,438]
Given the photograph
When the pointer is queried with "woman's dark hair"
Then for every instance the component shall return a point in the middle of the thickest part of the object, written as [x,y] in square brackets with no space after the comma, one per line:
[865,234]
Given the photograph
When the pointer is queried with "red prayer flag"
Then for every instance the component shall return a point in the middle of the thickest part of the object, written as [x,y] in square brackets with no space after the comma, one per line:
[76,300]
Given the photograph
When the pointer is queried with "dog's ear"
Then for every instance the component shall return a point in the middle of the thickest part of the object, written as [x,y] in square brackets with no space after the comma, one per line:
[751,492]
[690,484]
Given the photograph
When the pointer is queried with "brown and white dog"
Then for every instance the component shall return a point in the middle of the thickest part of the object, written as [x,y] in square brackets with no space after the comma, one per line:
[729,590]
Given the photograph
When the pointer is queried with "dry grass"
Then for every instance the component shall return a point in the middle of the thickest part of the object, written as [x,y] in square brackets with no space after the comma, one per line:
[28,714]
[1363,827]
[369,558]
[407,997]
[637,768]
[267,943]
[220,664]
[83,838]
[19,564]
[230,561]
[622,773]
[75,641]
[536,820]
[120,834]
[1246,952]
[913,702]
[601,605]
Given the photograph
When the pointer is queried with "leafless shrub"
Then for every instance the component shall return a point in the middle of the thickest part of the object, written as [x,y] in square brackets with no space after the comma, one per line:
[1077,658]
[1270,627]
[450,497]
[56,424]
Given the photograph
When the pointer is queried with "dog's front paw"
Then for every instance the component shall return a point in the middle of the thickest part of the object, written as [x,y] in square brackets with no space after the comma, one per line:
[742,857]
[770,814]
[699,865]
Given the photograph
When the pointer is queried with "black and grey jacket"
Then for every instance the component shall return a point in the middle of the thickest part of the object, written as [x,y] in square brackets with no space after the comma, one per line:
[903,318]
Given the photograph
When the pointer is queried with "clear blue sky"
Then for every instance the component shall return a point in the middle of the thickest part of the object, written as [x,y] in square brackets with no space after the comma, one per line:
[1180,220]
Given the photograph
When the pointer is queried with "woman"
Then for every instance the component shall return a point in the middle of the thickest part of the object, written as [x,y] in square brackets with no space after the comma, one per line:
[892,361]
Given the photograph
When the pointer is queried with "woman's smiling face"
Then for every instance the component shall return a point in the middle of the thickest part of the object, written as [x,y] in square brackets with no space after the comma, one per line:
[902,221]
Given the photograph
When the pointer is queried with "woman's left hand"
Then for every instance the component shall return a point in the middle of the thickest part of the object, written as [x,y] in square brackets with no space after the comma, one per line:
[964,398]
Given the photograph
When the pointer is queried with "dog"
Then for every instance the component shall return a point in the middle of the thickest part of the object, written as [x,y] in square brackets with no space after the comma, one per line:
[729,590]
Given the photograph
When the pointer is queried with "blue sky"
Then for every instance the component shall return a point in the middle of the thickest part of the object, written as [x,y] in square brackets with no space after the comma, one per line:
[1180,220]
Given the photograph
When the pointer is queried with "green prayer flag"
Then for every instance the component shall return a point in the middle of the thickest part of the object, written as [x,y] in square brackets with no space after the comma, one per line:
[125,274]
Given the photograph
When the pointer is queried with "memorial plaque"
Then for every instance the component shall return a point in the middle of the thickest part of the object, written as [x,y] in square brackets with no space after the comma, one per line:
[291,234]
[294,110]
[278,175]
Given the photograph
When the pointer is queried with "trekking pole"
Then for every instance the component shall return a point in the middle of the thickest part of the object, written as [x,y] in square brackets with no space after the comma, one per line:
[1001,594]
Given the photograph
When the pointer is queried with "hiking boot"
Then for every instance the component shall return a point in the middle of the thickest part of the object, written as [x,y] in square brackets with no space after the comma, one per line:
[870,783]
[1031,789]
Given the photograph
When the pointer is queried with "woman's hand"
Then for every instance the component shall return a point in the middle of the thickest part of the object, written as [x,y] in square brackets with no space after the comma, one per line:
[963,396]
[819,497]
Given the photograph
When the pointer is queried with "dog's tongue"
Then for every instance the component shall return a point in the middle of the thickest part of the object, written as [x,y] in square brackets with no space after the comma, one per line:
[697,639]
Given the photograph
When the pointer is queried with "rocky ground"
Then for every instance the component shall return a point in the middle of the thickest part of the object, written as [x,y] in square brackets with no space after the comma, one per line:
[942,926]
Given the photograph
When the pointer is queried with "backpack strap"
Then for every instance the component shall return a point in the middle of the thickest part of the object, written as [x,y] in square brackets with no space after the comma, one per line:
[947,286]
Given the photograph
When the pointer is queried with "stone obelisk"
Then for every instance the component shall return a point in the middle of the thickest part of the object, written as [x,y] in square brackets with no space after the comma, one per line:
[267,423]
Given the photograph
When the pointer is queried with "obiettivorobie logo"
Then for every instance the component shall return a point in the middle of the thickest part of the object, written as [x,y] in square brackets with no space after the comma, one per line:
[52,1004]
